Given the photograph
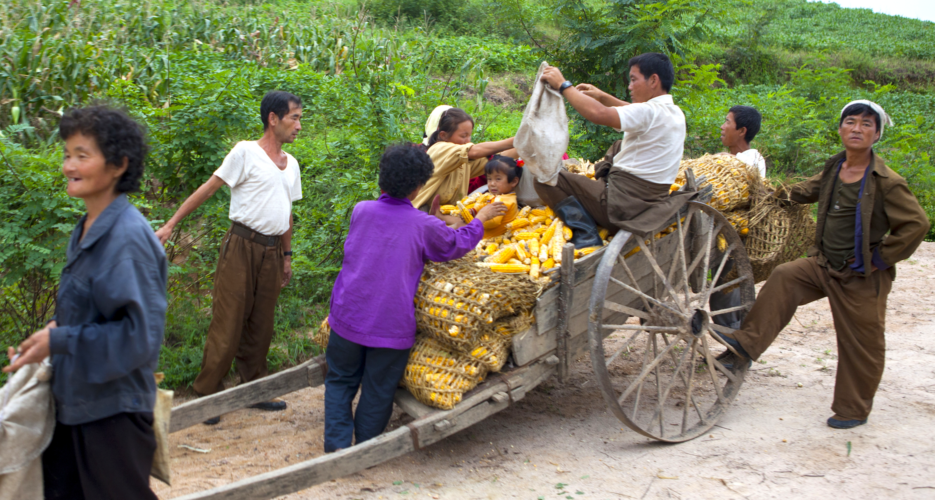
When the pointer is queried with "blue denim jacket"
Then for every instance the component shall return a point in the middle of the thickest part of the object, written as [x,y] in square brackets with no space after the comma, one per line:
[111,313]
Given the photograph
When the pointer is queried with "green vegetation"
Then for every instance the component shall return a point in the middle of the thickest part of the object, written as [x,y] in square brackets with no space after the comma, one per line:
[194,73]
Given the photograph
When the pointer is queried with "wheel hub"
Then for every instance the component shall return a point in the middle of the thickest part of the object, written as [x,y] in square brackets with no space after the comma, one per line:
[699,322]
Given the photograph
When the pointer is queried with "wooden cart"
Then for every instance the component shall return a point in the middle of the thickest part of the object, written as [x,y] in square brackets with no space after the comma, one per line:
[659,375]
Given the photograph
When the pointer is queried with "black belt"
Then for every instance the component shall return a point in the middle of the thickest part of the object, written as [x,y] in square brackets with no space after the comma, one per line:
[249,234]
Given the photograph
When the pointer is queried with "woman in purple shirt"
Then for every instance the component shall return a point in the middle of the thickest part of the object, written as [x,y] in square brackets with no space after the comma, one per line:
[372,318]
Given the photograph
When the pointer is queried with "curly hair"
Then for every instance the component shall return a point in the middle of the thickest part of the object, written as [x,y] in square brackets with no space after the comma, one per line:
[118,136]
[403,168]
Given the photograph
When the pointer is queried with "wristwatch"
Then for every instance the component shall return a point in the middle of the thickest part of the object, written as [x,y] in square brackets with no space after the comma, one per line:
[564,86]
[287,254]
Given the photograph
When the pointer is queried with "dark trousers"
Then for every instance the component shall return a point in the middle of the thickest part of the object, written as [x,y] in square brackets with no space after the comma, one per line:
[376,371]
[102,460]
[858,307]
[246,287]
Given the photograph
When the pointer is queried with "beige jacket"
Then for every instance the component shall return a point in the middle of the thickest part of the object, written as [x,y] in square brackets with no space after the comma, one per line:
[453,173]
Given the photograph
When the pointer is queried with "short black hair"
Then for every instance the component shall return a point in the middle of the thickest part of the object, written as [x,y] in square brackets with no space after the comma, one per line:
[403,168]
[277,102]
[117,135]
[747,116]
[654,63]
[859,109]
[504,164]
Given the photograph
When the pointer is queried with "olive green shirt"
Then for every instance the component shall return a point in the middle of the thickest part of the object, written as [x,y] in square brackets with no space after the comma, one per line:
[837,240]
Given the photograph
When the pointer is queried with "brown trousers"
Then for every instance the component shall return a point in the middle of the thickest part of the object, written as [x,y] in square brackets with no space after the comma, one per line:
[858,307]
[246,287]
[589,192]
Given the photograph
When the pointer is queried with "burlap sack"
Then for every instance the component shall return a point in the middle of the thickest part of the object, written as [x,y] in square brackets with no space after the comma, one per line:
[162,412]
[541,140]
[27,421]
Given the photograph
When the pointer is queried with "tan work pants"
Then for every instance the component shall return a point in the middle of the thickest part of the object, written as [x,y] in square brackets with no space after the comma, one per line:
[858,307]
[590,193]
[246,287]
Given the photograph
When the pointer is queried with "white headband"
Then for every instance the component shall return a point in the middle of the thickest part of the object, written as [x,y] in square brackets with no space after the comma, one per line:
[431,125]
[884,118]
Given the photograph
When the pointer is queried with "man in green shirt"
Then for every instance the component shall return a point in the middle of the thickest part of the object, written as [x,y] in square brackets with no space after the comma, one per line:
[868,220]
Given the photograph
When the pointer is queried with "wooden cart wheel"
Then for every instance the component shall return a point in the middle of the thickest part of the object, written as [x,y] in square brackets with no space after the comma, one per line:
[661,376]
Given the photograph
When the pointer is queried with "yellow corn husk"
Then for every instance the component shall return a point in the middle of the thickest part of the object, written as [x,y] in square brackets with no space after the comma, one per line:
[567,233]
[464,212]
[518,223]
[536,212]
[509,268]
[530,235]
[492,248]
[548,264]
[632,253]
[502,255]
[603,232]
[448,209]
[524,212]
[585,251]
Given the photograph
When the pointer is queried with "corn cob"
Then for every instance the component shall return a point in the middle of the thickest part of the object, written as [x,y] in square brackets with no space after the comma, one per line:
[492,248]
[537,212]
[548,264]
[631,253]
[448,209]
[534,248]
[721,243]
[603,232]
[558,241]
[547,235]
[514,260]
[518,223]
[509,268]
[465,213]
[521,253]
[566,233]
[502,255]
[537,219]
[524,212]
[525,236]
[534,267]
[585,251]
[549,213]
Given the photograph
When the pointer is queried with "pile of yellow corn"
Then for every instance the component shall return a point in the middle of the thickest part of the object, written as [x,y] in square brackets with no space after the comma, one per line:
[438,376]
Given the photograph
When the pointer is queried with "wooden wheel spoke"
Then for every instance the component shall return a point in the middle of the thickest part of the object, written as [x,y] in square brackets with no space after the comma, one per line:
[710,360]
[646,298]
[613,306]
[658,381]
[721,341]
[655,265]
[660,402]
[720,269]
[690,386]
[719,312]
[626,346]
[648,368]
[730,283]
[682,258]
[724,370]
[648,328]
[707,254]
[626,268]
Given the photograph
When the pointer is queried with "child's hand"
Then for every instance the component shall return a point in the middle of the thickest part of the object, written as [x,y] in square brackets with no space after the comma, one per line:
[490,211]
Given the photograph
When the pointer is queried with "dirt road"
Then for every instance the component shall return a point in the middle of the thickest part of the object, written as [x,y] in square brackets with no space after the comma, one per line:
[561,443]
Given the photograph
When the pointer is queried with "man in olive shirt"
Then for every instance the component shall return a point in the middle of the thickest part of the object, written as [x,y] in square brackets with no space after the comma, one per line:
[868,220]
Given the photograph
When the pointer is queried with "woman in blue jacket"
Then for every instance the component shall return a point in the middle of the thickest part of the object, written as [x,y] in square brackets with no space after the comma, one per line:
[109,319]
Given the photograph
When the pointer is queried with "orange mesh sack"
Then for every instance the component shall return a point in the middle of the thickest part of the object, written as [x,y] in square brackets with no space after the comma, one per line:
[493,347]
[438,376]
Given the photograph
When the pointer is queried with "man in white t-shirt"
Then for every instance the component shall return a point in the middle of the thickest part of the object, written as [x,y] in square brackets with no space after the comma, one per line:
[740,127]
[638,170]
[256,254]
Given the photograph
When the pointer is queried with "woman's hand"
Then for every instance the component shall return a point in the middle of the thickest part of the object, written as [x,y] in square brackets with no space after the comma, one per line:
[32,350]
[553,77]
[490,211]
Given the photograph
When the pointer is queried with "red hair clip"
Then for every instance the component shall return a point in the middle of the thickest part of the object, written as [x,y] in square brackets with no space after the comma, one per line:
[520,163]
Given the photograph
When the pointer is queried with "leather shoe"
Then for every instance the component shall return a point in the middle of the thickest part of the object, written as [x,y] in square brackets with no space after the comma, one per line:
[212,421]
[837,422]
[269,406]
[728,359]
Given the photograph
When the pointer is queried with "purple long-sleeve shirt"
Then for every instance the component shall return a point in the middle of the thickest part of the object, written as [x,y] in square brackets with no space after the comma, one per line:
[387,245]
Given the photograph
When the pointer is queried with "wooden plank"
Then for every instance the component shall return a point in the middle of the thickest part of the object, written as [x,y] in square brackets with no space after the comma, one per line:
[311,472]
[547,310]
[409,404]
[310,373]
[566,297]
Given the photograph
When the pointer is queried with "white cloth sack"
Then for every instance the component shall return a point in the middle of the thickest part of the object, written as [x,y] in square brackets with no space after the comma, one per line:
[27,421]
[541,140]
[162,414]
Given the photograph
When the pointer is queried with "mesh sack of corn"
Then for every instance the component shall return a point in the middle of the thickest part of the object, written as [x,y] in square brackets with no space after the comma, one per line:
[438,376]
[729,177]
[457,300]
[493,347]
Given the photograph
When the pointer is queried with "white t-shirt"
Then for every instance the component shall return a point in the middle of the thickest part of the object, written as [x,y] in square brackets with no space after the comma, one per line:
[261,194]
[753,159]
[653,139]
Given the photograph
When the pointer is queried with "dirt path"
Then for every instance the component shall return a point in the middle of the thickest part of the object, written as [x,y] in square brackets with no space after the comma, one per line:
[560,442]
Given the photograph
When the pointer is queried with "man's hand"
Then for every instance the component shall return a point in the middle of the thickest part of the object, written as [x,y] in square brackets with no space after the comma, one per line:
[32,350]
[591,91]
[286,271]
[493,210]
[164,233]
[553,77]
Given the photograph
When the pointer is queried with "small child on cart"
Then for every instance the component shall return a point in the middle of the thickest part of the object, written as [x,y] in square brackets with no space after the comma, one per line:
[503,175]
[372,317]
